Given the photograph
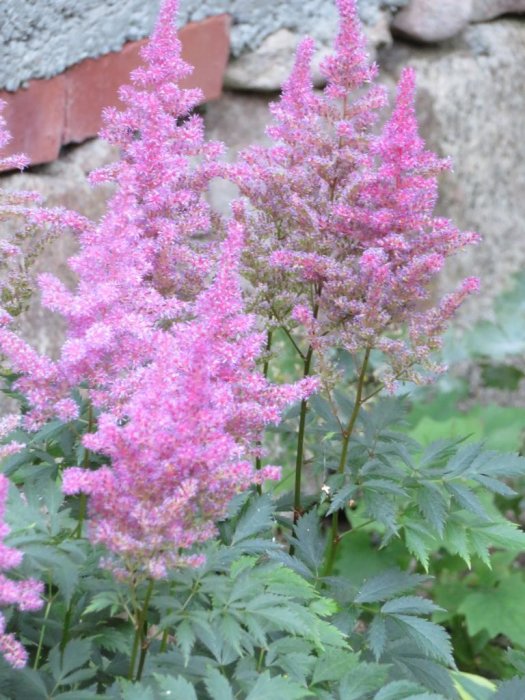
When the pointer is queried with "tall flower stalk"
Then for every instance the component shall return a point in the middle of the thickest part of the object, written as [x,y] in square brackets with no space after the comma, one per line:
[342,241]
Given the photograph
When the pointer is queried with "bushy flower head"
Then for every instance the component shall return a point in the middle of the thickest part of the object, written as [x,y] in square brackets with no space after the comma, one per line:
[191,431]
[339,213]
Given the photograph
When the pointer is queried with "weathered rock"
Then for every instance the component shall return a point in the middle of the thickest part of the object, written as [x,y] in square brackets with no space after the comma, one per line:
[239,120]
[483,10]
[470,109]
[429,21]
[267,67]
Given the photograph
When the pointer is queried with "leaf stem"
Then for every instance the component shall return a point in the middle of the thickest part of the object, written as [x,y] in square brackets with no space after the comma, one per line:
[266,366]
[347,434]
[139,640]
[299,460]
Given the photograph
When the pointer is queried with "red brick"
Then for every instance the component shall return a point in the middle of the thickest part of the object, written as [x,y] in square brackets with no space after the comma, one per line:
[206,46]
[93,84]
[67,108]
[35,118]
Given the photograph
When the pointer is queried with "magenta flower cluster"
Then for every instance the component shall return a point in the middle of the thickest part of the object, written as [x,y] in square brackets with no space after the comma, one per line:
[336,235]
[197,411]
[339,213]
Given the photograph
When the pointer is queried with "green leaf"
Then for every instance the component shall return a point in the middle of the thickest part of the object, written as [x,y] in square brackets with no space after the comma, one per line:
[410,605]
[405,690]
[362,680]
[276,687]
[432,505]
[377,636]
[138,691]
[257,518]
[308,541]
[387,585]
[185,639]
[419,541]
[432,639]
[175,687]
[333,666]
[76,653]
[217,685]
[468,500]
[511,690]
[498,610]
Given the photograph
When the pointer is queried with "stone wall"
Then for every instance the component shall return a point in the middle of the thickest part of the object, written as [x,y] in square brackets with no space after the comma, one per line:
[40,39]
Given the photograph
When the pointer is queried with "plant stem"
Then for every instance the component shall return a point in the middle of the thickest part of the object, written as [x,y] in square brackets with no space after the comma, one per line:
[65,630]
[42,633]
[82,508]
[164,641]
[300,443]
[83,498]
[139,639]
[266,366]
[347,434]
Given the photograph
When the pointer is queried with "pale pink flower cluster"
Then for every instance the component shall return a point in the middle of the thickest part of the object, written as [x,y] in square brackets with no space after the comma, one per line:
[148,257]
[187,446]
[26,594]
[339,214]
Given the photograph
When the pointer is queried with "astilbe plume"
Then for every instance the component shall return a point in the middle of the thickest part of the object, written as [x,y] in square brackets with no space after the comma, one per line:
[339,214]
[25,594]
[192,429]
[143,263]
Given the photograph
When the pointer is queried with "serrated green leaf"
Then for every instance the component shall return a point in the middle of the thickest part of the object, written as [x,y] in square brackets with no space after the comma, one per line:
[276,687]
[462,461]
[456,539]
[333,666]
[419,541]
[468,500]
[432,505]
[377,636]
[138,691]
[175,687]
[410,605]
[257,518]
[432,639]
[362,680]
[498,610]
[217,685]
[511,690]
[308,541]
[76,653]
[405,690]
[185,639]
[341,498]
[101,601]
[387,585]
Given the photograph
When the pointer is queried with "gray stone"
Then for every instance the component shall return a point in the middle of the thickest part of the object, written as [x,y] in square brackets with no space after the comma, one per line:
[238,120]
[429,21]
[483,10]
[470,109]
[39,38]
[267,67]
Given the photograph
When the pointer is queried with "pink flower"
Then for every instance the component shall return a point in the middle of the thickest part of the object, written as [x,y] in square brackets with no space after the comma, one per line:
[192,428]
[340,219]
